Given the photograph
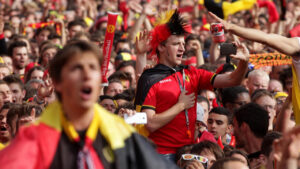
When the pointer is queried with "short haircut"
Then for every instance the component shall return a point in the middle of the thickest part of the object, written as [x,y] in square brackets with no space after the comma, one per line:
[68,52]
[222,111]
[192,37]
[121,40]
[240,152]
[127,105]
[126,63]
[255,116]
[76,22]
[109,82]
[266,146]
[123,96]
[14,45]
[14,79]
[285,74]
[230,94]
[103,97]
[203,99]
[259,93]
[258,73]
[208,145]
[183,150]
[118,75]
[219,164]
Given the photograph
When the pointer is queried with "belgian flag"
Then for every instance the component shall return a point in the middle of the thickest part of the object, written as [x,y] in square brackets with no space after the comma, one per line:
[223,9]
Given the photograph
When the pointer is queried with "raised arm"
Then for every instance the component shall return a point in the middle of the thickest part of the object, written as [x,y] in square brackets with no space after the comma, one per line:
[288,46]
[235,78]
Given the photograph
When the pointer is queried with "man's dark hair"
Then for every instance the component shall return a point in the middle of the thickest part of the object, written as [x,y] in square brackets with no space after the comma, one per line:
[192,37]
[109,82]
[14,79]
[118,75]
[203,99]
[230,94]
[208,145]
[14,45]
[123,96]
[222,111]
[125,106]
[266,146]
[126,63]
[285,74]
[122,40]
[103,97]
[76,22]
[183,150]
[41,29]
[219,164]
[255,116]
[68,52]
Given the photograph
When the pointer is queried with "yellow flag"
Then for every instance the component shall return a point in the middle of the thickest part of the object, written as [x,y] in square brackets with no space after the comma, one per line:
[296,97]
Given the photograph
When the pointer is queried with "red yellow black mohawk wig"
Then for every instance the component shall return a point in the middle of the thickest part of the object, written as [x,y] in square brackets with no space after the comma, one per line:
[167,24]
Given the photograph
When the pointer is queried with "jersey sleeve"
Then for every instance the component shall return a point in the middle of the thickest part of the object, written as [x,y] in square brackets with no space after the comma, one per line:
[205,79]
[150,100]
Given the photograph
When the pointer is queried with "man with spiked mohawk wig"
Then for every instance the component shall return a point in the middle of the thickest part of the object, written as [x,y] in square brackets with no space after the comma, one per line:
[167,91]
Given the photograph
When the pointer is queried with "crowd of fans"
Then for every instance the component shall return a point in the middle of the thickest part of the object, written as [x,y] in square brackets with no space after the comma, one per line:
[236,122]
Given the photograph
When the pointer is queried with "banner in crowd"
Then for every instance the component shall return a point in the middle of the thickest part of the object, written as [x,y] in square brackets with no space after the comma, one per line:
[276,59]
[107,45]
[269,59]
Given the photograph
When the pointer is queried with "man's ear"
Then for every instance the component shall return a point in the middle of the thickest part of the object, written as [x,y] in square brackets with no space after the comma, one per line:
[57,86]
[229,129]
[161,48]
[23,93]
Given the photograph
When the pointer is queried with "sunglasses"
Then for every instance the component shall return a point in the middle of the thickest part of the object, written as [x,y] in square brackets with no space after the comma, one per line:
[194,157]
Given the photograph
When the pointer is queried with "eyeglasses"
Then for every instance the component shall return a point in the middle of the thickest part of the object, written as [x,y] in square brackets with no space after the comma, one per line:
[194,157]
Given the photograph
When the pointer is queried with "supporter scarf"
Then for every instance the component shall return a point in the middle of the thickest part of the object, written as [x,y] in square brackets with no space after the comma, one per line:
[84,159]
[269,59]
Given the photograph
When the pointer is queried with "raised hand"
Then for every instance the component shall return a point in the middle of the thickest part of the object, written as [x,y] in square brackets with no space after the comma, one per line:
[135,6]
[226,24]
[45,90]
[242,52]
[142,43]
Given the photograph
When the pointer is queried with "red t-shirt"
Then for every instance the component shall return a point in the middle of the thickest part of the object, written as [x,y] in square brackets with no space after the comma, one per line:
[163,95]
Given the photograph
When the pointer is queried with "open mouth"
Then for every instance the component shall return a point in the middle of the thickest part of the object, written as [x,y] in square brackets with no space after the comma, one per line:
[86,93]
[179,55]
[3,128]
[86,90]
